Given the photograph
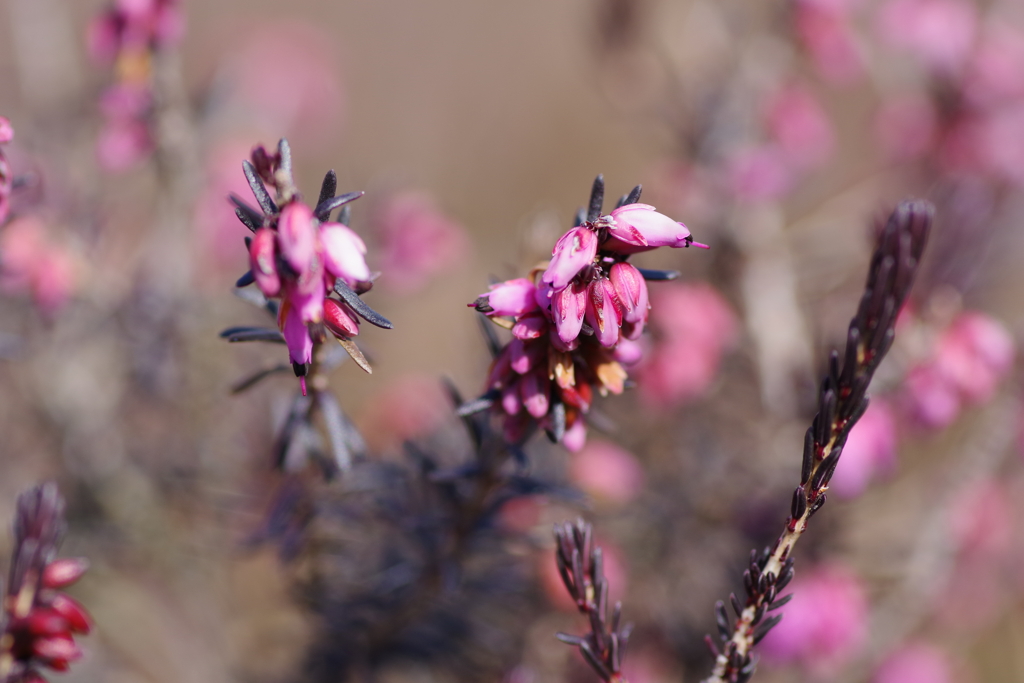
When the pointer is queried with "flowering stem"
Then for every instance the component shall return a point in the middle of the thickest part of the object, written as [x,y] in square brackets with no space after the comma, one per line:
[841,402]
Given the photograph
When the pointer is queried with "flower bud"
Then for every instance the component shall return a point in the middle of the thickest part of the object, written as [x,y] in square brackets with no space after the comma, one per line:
[638,227]
[262,261]
[534,389]
[344,253]
[568,308]
[339,320]
[76,616]
[572,253]
[298,236]
[512,298]
[603,312]
[64,572]
[631,289]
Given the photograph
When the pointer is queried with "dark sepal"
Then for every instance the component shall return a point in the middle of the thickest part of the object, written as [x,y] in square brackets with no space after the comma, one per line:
[596,199]
[359,306]
[259,190]
[246,279]
[658,275]
[324,208]
[327,188]
[632,198]
[246,334]
[250,217]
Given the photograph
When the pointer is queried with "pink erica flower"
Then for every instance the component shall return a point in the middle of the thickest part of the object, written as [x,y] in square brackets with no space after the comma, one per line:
[568,307]
[639,227]
[603,312]
[939,32]
[607,472]
[510,298]
[630,291]
[6,177]
[344,253]
[572,253]
[870,450]
[974,354]
[996,70]
[758,174]
[915,663]
[418,241]
[825,623]
[31,264]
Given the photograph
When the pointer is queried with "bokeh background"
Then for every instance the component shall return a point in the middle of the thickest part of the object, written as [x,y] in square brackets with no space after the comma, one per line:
[780,132]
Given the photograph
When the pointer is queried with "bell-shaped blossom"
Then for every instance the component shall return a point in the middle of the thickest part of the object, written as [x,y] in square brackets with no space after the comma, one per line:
[296,335]
[344,253]
[263,262]
[575,436]
[639,227]
[6,131]
[511,298]
[572,253]
[939,32]
[602,312]
[828,34]
[297,235]
[631,290]
[530,326]
[535,390]
[800,126]
[568,308]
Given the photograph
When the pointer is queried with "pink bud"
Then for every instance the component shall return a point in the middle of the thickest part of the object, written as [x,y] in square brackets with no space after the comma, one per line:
[607,471]
[526,355]
[631,290]
[6,131]
[262,261]
[46,622]
[344,253]
[627,352]
[915,663]
[78,619]
[869,451]
[530,326]
[64,572]
[298,236]
[568,308]
[572,253]
[59,650]
[534,388]
[575,436]
[512,298]
[501,373]
[510,400]
[339,320]
[602,312]
[638,227]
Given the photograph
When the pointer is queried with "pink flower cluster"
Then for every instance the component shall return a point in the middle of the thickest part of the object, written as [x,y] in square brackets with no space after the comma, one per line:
[870,451]
[299,256]
[125,36]
[575,323]
[966,365]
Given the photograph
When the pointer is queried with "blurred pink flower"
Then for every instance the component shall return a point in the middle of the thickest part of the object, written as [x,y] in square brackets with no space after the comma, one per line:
[915,663]
[969,359]
[30,263]
[996,71]
[640,227]
[6,177]
[1000,147]
[760,173]
[828,35]
[123,144]
[693,326]
[825,623]
[939,32]
[870,450]
[981,519]
[418,242]
[297,63]
[905,126]
[607,472]
[800,126]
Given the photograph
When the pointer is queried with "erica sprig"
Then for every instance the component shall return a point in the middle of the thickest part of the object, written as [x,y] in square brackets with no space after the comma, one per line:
[575,319]
[299,256]
[842,401]
[39,622]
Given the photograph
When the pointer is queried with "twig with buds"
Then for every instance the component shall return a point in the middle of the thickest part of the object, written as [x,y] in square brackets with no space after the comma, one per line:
[581,566]
[38,621]
[841,402]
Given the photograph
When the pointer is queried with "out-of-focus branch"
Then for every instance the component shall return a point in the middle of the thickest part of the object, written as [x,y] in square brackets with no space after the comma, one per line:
[841,402]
